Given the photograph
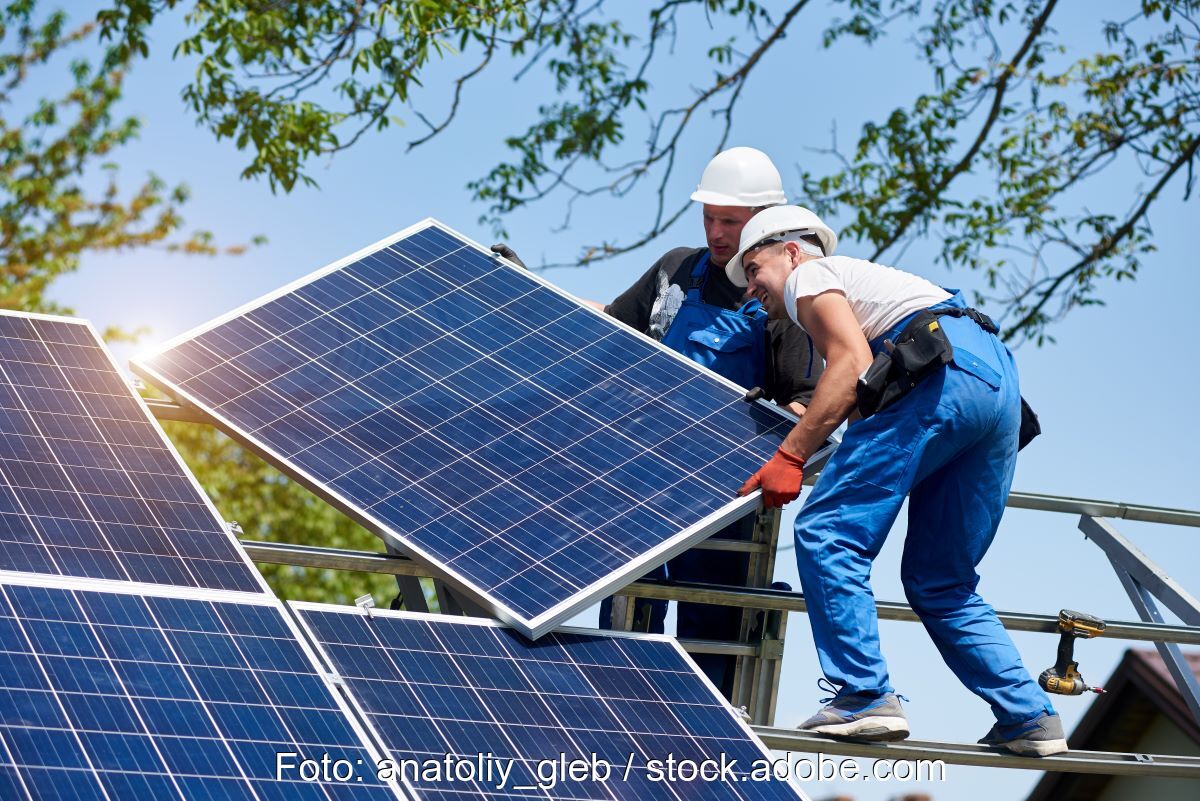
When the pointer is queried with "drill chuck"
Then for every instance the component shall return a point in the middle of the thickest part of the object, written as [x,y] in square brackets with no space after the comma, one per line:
[1070,684]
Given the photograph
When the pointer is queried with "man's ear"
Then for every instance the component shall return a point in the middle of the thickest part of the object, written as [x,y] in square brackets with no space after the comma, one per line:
[795,254]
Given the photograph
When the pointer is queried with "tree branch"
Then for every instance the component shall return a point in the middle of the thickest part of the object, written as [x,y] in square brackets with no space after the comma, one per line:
[1107,244]
[735,79]
[458,86]
[916,210]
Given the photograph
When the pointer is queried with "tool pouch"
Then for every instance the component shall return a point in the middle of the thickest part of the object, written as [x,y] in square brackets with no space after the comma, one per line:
[1030,427]
[920,350]
[873,382]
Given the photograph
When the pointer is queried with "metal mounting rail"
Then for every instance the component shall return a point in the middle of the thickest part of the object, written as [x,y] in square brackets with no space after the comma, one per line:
[723,647]
[168,410]
[892,610]
[1084,506]
[1105,762]
[369,562]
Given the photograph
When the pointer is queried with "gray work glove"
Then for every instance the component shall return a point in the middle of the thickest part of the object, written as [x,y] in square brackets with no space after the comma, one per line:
[501,249]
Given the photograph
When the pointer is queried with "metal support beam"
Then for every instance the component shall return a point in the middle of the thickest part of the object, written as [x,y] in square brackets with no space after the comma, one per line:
[286,553]
[169,410]
[1172,657]
[413,593]
[1111,764]
[453,603]
[741,546]
[369,562]
[891,610]
[1144,581]
[1125,555]
[724,647]
[1084,506]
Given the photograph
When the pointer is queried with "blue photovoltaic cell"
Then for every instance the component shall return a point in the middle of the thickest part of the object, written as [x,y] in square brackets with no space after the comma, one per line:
[435,687]
[128,698]
[522,444]
[89,487]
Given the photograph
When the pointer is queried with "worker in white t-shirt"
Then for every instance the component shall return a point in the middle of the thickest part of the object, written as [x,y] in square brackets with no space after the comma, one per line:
[935,416]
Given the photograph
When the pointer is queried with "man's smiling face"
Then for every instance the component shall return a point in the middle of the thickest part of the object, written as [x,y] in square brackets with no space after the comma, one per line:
[767,270]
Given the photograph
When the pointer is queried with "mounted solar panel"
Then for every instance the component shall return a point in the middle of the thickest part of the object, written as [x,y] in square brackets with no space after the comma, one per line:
[533,452]
[127,697]
[443,692]
[89,485]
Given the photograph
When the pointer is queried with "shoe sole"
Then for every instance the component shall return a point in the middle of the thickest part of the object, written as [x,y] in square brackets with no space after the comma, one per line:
[1038,748]
[877,728]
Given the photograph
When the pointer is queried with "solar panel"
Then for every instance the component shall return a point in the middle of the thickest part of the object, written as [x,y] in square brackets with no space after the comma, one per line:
[118,696]
[468,708]
[534,453]
[89,485]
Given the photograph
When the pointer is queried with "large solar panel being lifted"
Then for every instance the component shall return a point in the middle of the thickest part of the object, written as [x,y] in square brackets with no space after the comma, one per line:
[535,453]
[136,698]
[89,486]
[443,691]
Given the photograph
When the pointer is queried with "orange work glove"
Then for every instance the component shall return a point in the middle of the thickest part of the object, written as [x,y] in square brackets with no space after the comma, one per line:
[779,478]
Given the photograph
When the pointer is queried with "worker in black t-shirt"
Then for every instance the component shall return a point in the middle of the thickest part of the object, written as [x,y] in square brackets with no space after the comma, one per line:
[686,301]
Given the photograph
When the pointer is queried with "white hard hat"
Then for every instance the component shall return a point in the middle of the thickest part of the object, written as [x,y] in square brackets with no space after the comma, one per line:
[780,224]
[740,176]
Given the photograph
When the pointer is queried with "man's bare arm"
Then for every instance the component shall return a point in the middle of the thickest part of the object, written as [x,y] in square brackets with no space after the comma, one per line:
[836,333]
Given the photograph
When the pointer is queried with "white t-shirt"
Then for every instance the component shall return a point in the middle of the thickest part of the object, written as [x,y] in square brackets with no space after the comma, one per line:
[879,296]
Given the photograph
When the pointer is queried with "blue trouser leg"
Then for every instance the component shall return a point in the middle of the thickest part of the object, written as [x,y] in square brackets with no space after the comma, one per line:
[939,578]
[952,444]
[839,532]
[953,514]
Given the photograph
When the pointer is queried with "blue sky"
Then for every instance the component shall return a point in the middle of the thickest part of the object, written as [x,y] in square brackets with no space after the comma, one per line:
[1115,394]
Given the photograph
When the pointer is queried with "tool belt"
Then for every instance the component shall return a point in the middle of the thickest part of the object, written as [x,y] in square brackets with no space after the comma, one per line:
[920,350]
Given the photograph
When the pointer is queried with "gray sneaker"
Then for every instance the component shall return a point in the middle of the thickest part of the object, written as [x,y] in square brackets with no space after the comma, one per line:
[1041,736]
[863,717]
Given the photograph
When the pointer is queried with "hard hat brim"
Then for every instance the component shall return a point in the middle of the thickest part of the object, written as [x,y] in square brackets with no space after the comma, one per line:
[710,198]
[734,270]
[737,273]
[781,223]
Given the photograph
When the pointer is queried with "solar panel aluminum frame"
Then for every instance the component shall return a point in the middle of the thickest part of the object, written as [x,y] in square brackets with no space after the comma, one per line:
[300,606]
[535,627]
[300,634]
[170,446]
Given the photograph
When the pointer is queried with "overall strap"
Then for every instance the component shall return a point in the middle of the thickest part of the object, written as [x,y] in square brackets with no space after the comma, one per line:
[698,278]
[976,316]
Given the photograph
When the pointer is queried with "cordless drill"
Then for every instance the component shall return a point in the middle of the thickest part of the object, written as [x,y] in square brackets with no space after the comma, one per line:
[1064,677]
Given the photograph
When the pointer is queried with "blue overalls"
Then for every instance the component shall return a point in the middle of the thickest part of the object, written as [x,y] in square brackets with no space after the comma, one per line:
[950,445]
[731,343]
